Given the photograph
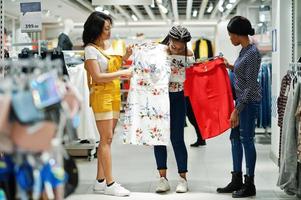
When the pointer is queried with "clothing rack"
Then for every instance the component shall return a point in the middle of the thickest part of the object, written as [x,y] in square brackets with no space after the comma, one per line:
[24,75]
[295,66]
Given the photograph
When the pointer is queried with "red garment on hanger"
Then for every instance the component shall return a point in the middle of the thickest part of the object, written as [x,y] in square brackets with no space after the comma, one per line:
[209,90]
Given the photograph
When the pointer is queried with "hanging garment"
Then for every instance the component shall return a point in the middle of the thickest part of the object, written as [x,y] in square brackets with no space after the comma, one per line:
[281,104]
[200,49]
[210,48]
[87,129]
[287,180]
[64,42]
[147,114]
[209,90]
[265,109]
[298,118]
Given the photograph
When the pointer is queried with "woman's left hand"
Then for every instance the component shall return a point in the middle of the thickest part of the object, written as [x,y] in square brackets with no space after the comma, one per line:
[234,119]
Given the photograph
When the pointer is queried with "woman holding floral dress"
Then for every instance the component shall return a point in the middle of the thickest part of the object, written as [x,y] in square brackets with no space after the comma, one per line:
[180,57]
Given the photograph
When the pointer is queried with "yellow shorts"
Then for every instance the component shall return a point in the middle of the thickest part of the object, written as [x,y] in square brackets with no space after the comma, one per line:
[105,102]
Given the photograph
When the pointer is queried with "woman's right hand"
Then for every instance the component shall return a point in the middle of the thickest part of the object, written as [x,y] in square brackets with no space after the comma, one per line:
[228,66]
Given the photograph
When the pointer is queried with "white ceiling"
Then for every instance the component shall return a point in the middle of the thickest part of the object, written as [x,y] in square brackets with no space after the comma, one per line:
[177,10]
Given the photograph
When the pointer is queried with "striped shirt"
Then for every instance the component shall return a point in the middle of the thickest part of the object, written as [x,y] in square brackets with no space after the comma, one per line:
[246,68]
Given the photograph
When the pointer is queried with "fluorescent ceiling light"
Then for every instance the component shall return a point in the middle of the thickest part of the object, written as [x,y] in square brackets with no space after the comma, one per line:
[220,5]
[134,17]
[153,4]
[99,8]
[106,12]
[163,9]
[232,1]
[159,1]
[194,13]
[229,6]
[210,8]
[121,2]
[149,23]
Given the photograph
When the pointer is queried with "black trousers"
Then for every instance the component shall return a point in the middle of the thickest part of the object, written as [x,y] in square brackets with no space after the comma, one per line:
[192,119]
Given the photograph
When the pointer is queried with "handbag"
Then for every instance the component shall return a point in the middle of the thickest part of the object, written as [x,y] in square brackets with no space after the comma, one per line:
[24,108]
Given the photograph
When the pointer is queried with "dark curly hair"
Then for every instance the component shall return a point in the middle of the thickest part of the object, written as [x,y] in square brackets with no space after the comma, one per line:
[179,33]
[93,26]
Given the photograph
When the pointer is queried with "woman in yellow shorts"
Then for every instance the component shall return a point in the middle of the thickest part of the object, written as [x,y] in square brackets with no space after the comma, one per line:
[103,78]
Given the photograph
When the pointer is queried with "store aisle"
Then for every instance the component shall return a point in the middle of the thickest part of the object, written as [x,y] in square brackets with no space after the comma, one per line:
[209,167]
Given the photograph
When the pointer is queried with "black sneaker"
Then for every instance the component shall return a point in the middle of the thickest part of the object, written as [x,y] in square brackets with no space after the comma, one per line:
[199,143]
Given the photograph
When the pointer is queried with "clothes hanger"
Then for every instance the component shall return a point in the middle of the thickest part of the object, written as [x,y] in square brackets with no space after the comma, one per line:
[201,60]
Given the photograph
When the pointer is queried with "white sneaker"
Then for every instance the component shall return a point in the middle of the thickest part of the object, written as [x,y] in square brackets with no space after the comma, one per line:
[117,190]
[163,185]
[182,186]
[99,187]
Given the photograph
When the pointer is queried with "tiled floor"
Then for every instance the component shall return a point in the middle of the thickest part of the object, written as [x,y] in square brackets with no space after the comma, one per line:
[209,168]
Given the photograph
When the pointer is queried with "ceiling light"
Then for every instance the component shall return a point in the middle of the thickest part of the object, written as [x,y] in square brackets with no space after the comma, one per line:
[99,8]
[232,1]
[134,17]
[210,8]
[163,9]
[229,6]
[159,1]
[106,12]
[194,13]
[153,4]
[220,5]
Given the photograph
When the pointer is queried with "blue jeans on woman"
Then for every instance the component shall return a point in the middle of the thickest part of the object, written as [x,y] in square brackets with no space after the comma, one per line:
[242,137]
[177,121]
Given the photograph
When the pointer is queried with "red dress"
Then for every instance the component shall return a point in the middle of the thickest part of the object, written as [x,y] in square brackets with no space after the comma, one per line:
[209,90]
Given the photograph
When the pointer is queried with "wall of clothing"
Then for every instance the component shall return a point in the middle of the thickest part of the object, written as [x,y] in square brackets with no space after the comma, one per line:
[289,121]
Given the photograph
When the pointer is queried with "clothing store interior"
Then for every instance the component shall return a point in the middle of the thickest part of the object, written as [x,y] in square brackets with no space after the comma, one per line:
[150,99]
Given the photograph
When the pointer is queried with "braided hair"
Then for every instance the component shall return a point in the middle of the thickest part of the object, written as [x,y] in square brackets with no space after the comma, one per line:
[178,33]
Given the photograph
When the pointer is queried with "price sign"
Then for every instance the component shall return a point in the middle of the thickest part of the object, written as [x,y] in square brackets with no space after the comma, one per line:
[31,16]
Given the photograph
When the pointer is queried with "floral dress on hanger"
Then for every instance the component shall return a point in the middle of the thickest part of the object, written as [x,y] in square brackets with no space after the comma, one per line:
[147,114]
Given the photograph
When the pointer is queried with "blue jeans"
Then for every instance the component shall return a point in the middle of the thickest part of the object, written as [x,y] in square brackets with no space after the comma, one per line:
[177,121]
[242,137]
